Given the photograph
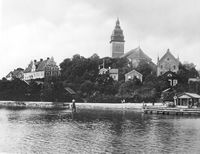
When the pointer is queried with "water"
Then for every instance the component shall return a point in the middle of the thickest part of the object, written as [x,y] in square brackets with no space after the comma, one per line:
[93,131]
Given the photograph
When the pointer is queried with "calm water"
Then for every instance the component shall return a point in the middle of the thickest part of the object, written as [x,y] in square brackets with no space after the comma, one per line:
[88,131]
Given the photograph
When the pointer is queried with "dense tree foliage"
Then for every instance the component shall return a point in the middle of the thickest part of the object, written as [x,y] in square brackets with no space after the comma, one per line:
[82,75]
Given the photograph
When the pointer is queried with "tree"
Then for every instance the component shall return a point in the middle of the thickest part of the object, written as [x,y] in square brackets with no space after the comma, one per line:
[87,88]
[145,69]
[128,88]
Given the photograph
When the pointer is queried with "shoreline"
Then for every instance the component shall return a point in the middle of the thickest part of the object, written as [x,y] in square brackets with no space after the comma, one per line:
[100,106]
[34,105]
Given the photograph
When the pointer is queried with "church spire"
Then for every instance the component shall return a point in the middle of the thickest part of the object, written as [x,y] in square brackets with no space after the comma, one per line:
[117,23]
[117,35]
[117,41]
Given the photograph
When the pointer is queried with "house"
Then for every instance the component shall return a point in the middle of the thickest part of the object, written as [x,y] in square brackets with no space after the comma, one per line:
[187,99]
[132,74]
[103,71]
[17,73]
[136,56]
[114,73]
[41,69]
[167,63]
[171,78]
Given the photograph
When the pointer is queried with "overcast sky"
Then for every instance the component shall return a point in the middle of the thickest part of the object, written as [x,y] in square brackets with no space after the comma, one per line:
[34,29]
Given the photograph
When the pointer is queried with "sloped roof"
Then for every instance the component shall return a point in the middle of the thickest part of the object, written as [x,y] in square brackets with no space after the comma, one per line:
[103,70]
[15,73]
[169,74]
[72,92]
[40,65]
[189,95]
[113,71]
[136,53]
[133,71]
[168,53]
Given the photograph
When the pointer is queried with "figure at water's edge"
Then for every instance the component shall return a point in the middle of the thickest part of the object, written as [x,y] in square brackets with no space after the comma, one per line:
[73,106]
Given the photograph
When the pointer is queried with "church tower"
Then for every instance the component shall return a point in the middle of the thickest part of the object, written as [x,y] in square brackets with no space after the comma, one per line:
[117,41]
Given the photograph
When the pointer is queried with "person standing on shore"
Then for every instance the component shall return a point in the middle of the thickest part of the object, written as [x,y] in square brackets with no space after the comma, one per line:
[73,106]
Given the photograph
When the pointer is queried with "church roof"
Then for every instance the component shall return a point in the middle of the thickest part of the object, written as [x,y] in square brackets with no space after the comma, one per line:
[168,53]
[136,53]
[117,35]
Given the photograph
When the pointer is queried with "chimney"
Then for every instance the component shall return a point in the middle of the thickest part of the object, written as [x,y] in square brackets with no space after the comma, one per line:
[47,58]
[35,61]
[41,59]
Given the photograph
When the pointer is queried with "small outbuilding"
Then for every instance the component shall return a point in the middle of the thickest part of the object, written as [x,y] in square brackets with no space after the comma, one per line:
[133,74]
[187,99]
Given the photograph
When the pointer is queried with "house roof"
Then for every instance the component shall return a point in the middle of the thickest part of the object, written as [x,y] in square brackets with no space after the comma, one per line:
[168,53]
[15,73]
[169,74]
[103,70]
[113,71]
[40,65]
[136,53]
[166,90]
[188,95]
[133,71]
[69,90]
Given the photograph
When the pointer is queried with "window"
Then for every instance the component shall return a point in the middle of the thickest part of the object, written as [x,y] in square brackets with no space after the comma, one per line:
[174,67]
[161,66]
[168,59]
[161,73]
[169,75]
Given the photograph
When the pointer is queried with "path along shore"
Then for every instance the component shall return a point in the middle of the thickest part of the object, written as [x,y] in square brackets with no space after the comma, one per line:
[115,106]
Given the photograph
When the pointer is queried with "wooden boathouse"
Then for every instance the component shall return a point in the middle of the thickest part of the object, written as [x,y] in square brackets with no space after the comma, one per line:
[184,104]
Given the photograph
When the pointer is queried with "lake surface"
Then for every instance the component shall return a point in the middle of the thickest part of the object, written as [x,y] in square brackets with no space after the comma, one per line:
[96,131]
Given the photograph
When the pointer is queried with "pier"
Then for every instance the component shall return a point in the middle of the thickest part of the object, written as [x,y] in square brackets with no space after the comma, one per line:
[171,111]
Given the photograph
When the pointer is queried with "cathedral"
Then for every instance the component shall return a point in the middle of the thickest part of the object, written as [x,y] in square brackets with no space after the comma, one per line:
[117,48]
[168,63]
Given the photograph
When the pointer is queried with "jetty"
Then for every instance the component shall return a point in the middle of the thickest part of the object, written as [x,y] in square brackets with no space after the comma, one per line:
[171,111]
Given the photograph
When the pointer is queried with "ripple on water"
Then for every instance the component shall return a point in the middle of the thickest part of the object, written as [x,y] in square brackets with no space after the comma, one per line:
[39,131]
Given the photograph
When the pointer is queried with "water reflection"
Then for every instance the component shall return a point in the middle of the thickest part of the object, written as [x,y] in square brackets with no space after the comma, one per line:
[96,131]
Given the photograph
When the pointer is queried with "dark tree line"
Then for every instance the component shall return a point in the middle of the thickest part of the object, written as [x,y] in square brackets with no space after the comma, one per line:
[82,75]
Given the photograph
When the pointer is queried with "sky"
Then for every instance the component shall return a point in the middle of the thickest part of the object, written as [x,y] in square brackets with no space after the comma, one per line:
[62,28]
